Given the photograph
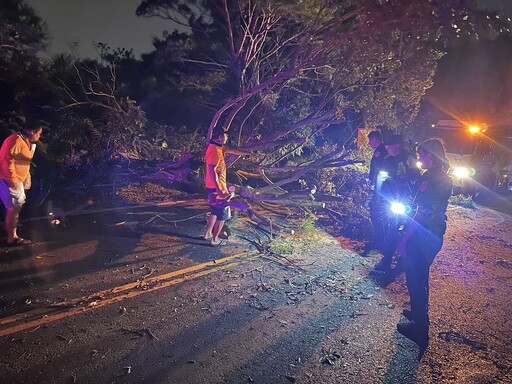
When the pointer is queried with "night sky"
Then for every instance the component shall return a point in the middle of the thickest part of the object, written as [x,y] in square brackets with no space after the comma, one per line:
[110,21]
[114,22]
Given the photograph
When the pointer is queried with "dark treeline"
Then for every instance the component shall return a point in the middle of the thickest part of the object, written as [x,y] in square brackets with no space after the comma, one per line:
[293,81]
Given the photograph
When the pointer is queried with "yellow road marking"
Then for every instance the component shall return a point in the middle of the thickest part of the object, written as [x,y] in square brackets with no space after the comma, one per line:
[100,299]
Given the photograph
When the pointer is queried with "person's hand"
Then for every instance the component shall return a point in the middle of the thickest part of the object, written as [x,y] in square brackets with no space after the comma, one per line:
[27,184]
[223,195]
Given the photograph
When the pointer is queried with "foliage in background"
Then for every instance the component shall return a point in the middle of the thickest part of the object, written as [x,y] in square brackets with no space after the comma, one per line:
[286,78]
[287,71]
[462,201]
[22,36]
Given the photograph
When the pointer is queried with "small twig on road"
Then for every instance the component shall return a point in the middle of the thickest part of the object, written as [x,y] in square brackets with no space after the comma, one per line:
[288,264]
[171,221]
[147,274]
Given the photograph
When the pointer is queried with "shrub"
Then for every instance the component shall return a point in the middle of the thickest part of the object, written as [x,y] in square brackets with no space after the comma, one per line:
[463,201]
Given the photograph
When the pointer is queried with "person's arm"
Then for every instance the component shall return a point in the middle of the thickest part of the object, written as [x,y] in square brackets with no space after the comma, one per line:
[241,152]
[27,183]
[213,171]
[15,151]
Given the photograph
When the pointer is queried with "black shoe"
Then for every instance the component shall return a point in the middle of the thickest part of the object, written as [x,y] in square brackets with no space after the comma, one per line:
[408,314]
[416,333]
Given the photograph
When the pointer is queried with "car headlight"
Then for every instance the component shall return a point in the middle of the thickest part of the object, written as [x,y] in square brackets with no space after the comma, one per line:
[461,172]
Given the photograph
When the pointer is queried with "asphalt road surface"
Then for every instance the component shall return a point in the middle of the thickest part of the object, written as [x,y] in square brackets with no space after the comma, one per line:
[134,294]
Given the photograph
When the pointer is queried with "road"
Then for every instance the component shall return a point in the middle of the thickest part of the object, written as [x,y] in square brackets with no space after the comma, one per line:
[134,295]
[501,203]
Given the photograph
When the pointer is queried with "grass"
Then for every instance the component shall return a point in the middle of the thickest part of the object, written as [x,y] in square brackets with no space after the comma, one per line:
[462,200]
[303,239]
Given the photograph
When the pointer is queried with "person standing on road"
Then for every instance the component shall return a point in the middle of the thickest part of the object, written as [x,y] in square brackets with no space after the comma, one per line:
[375,203]
[399,176]
[16,156]
[216,186]
[423,238]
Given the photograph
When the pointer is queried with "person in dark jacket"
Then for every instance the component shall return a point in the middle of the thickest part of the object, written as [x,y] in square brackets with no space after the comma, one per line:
[379,153]
[375,203]
[423,238]
[398,177]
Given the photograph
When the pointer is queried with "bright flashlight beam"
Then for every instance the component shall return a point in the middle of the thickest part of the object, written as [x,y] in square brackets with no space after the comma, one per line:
[398,208]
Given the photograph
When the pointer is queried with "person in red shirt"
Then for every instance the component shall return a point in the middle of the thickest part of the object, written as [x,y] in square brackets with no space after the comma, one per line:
[216,186]
[16,155]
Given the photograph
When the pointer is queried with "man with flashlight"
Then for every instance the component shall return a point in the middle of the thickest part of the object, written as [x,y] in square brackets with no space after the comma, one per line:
[400,175]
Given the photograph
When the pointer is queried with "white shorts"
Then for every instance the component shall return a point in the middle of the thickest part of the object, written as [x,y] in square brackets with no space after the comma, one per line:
[12,196]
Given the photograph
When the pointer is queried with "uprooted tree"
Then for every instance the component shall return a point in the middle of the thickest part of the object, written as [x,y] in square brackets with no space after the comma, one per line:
[282,72]
[277,75]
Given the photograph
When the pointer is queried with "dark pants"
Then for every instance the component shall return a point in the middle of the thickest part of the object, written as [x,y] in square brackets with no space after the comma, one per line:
[377,216]
[386,226]
[422,248]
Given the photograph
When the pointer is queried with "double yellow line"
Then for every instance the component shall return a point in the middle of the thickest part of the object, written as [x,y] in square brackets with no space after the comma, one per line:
[41,316]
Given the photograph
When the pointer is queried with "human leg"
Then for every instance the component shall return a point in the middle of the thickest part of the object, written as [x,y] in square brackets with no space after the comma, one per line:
[417,275]
[212,201]
[223,214]
[389,245]
[11,223]
[217,228]
[13,197]
[417,268]
[377,219]
[209,226]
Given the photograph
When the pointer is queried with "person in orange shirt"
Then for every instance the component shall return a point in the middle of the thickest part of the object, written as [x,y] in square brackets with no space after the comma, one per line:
[216,186]
[16,155]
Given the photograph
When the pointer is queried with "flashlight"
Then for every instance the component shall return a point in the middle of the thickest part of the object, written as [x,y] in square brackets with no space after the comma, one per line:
[398,208]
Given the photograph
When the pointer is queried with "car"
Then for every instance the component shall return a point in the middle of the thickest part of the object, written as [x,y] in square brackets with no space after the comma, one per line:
[504,180]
